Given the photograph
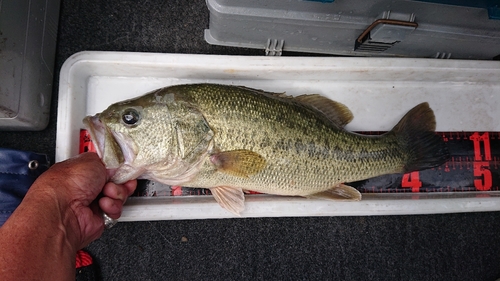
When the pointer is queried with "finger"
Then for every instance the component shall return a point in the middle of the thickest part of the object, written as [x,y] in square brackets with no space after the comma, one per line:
[88,158]
[97,226]
[130,186]
[91,156]
[115,191]
[91,224]
[111,207]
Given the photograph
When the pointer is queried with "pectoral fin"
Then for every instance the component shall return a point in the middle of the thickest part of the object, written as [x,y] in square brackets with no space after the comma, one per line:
[340,192]
[240,163]
[229,198]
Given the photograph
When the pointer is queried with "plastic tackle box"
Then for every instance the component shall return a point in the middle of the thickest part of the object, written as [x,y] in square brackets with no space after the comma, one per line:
[426,29]
[28,34]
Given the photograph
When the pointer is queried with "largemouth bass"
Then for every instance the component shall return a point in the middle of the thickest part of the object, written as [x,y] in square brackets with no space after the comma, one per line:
[232,139]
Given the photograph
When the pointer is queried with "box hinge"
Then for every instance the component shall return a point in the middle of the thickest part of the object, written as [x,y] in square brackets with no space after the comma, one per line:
[385,32]
[274,47]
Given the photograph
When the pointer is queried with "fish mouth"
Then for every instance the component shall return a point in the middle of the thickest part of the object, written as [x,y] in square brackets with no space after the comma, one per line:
[106,146]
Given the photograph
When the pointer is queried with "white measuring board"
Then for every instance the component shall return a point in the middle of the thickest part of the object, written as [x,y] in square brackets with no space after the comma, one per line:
[464,94]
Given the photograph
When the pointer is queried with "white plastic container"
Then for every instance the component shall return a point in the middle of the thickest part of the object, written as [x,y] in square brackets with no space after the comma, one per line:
[465,96]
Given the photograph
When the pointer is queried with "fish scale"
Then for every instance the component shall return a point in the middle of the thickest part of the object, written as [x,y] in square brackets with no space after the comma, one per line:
[314,169]
[229,139]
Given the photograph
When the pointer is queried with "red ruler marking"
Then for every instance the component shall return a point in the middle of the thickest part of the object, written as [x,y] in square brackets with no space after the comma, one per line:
[86,144]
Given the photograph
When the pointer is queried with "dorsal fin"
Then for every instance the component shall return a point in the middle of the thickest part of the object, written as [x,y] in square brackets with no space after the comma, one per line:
[336,112]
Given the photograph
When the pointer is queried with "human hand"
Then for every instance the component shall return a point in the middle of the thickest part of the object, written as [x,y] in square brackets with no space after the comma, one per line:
[75,184]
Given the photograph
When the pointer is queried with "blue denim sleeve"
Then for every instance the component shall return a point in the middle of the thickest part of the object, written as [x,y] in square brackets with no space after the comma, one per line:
[18,171]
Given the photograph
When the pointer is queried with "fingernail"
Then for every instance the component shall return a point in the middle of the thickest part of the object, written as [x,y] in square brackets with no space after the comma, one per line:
[119,193]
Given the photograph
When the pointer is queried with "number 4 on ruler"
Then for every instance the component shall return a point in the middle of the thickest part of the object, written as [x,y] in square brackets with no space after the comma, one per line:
[412,180]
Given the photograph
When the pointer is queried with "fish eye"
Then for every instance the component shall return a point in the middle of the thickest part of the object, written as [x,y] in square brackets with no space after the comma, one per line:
[130,116]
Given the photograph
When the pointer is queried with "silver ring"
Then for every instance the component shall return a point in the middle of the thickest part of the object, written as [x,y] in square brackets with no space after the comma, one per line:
[108,222]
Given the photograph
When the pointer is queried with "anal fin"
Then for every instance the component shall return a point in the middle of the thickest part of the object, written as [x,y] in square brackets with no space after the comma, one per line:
[229,198]
[340,192]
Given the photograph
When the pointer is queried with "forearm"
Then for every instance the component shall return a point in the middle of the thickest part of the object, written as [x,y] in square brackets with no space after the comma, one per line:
[37,241]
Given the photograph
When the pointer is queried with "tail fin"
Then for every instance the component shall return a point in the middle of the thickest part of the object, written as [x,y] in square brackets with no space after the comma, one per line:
[424,148]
